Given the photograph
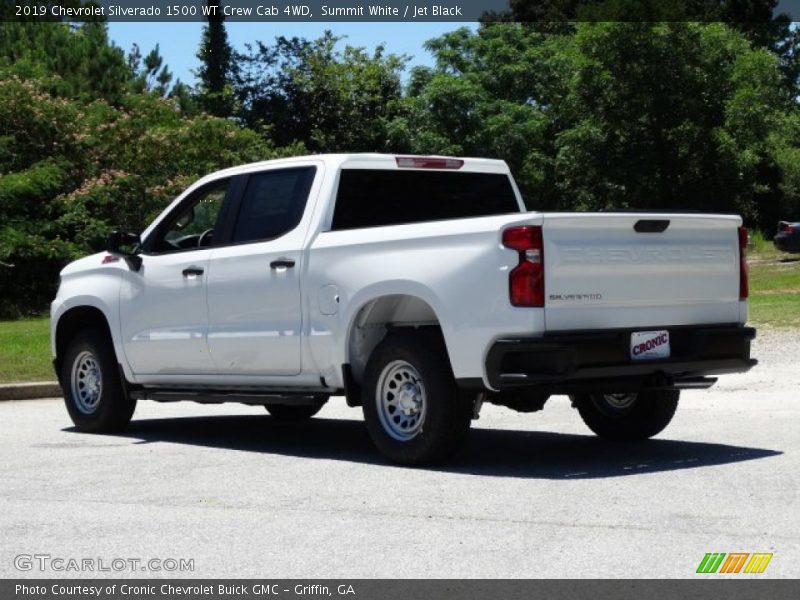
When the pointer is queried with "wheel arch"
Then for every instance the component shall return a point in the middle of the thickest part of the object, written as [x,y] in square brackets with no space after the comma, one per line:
[377,317]
[74,320]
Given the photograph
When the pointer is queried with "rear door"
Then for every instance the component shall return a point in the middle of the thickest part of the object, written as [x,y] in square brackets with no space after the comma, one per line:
[254,311]
[640,270]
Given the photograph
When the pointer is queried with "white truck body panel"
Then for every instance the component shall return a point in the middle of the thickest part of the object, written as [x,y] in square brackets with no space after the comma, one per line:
[459,269]
[163,318]
[600,273]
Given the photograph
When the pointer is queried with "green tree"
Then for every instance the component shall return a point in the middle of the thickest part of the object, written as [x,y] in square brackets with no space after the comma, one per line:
[150,73]
[82,152]
[669,116]
[217,66]
[614,115]
[314,93]
[79,61]
[756,19]
[490,94]
[72,171]
[785,150]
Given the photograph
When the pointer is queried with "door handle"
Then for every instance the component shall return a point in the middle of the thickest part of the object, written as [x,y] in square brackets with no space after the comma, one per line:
[282,263]
[651,225]
[192,271]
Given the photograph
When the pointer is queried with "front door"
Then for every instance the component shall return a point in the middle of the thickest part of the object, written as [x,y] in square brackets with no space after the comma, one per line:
[163,311]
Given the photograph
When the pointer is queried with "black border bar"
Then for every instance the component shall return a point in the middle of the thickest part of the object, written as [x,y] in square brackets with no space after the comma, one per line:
[408,11]
[706,587]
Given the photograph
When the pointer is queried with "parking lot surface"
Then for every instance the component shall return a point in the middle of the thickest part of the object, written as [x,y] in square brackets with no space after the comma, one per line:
[532,495]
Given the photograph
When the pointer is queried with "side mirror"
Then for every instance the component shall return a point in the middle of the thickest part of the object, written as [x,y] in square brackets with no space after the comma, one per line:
[117,240]
[125,244]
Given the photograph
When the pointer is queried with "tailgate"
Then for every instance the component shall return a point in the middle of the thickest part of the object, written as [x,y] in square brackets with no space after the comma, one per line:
[605,271]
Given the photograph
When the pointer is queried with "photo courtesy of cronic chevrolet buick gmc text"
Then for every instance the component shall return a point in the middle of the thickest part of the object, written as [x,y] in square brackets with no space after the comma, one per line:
[418,287]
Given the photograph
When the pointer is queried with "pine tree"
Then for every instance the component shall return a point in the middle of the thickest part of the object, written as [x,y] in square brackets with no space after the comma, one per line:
[216,70]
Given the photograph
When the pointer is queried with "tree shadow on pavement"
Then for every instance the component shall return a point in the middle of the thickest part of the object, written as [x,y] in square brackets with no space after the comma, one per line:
[487,452]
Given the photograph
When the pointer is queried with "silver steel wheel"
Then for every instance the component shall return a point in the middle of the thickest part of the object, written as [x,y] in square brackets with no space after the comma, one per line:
[401,400]
[620,402]
[86,382]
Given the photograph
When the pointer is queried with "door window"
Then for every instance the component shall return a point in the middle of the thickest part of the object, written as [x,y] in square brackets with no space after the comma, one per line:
[272,204]
[193,224]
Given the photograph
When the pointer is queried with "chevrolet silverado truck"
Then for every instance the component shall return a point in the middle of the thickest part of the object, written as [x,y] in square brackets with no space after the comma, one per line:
[418,287]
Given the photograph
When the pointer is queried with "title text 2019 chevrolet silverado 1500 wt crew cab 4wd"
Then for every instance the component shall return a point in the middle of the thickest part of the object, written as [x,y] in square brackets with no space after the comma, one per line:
[418,287]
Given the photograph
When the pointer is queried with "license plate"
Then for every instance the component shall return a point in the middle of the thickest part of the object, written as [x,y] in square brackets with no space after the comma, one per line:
[649,345]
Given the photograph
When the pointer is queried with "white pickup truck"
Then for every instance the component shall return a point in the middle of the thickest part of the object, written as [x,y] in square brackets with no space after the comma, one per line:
[417,287]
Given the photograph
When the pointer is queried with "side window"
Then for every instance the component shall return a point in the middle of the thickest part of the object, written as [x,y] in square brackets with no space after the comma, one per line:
[272,204]
[192,226]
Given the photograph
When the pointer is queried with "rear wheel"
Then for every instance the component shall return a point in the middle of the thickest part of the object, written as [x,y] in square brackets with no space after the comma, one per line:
[627,417]
[93,391]
[288,412]
[413,409]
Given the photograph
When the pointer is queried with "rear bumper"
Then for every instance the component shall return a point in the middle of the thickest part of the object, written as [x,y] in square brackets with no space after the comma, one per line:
[566,361]
[786,242]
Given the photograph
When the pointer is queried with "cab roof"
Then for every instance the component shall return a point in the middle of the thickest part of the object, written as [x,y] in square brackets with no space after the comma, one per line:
[378,161]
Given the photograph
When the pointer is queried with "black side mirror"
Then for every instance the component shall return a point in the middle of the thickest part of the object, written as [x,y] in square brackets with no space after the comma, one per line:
[116,240]
[126,244]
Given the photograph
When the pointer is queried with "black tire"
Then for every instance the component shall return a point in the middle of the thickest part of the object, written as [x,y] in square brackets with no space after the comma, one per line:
[443,412]
[110,409]
[287,412]
[645,416]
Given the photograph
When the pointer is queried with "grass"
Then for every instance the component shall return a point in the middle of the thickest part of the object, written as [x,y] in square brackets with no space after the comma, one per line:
[775,310]
[774,284]
[774,302]
[762,247]
[775,291]
[25,350]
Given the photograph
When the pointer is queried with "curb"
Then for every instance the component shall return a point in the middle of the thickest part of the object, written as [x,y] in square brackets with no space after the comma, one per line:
[29,391]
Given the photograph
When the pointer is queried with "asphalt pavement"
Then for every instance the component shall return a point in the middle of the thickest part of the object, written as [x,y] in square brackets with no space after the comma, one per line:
[233,493]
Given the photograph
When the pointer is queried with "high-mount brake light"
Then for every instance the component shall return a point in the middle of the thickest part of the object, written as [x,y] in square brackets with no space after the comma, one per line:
[428,162]
[744,287]
[526,280]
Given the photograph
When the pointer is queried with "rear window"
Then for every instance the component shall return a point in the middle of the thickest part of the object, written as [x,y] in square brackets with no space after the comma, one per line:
[372,198]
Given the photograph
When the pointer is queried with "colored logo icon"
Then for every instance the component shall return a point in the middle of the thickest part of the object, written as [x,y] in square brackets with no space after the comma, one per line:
[734,562]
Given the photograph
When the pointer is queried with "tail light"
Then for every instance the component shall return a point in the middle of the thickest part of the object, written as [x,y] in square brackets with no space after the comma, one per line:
[787,228]
[526,280]
[744,288]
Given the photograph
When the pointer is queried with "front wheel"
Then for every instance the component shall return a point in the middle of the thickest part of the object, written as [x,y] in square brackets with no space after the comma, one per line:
[93,390]
[413,409]
[627,417]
